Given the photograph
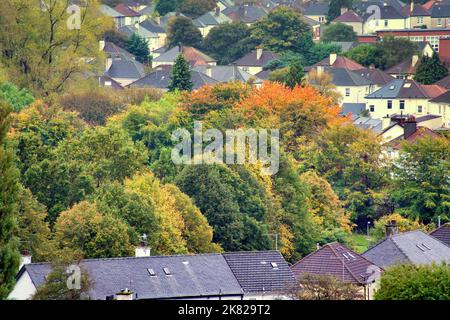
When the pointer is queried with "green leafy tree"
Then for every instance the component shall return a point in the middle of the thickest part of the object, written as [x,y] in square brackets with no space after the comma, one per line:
[367,55]
[196,8]
[430,70]
[335,7]
[415,282]
[18,98]
[182,31]
[422,181]
[320,51]
[283,30]
[138,46]
[165,6]
[181,75]
[55,286]
[228,42]
[9,191]
[395,50]
[295,75]
[338,32]
[85,230]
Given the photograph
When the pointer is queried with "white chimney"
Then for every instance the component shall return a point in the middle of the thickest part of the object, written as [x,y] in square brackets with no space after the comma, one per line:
[125,295]
[101,44]
[142,251]
[25,258]
[209,71]
[333,57]
[343,10]
[411,7]
[414,60]
[385,122]
[158,19]
[259,52]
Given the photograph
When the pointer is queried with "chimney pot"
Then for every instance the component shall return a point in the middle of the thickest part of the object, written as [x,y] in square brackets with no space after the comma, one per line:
[259,52]
[391,228]
[333,58]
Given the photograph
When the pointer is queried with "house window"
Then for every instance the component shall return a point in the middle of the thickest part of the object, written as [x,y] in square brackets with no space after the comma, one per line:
[389,104]
[386,23]
[419,19]
[439,21]
[402,104]
[419,109]
[372,108]
[321,19]
[347,92]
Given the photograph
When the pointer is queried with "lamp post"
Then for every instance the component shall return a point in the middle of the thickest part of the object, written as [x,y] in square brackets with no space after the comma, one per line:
[368,225]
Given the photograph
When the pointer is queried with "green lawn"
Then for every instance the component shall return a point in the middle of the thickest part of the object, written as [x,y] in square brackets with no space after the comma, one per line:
[359,242]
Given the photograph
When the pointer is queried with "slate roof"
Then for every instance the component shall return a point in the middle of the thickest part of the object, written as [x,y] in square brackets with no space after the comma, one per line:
[250,59]
[400,88]
[367,123]
[142,32]
[212,18]
[108,11]
[126,69]
[114,50]
[260,271]
[440,11]
[353,108]
[386,12]
[443,98]
[346,77]
[114,84]
[152,27]
[361,6]
[442,234]
[160,78]
[445,82]
[404,67]
[227,73]
[377,76]
[413,247]
[316,9]
[418,11]
[191,276]
[336,260]
[264,74]
[348,16]
[247,14]
[126,11]
[194,56]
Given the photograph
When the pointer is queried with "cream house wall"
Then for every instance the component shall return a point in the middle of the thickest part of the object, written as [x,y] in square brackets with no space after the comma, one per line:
[411,107]
[131,21]
[356,93]
[383,24]
[415,22]
[440,22]
[443,110]
[252,70]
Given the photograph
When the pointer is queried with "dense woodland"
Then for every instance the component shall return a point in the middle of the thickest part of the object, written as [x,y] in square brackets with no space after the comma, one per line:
[85,171]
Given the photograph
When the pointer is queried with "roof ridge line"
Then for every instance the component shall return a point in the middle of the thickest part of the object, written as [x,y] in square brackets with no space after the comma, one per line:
[344,264]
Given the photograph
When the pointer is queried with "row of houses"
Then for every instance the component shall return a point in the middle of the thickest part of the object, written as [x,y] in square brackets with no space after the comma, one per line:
[261,275]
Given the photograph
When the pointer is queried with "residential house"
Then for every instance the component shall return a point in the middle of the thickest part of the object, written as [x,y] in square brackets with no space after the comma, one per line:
[413,247]
[444,82]
[160,78]
[130,17]
[125,71]
[440,15]
[138,5]
[229,74]
[335,61]
[223,4]
[352,19]
[154,34]
[249,14]
[352,86]
[440,106]
[119,18]
[402,96]
[416,16]
[228,276]
[108,82]
[442,234]
[377,76]
[405,69]
[389,18]
[317,11]
[194,56]
[254,61]
[209,20]
[335,259]
[315,27]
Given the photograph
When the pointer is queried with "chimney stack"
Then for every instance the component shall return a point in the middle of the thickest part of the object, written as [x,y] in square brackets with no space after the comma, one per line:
[158,20]
[414,60]
[217,12]
[101,44]
[333,58]
[343,10]
[411,7]
[259,52]
[125,295]
[409,127]
[391,228]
